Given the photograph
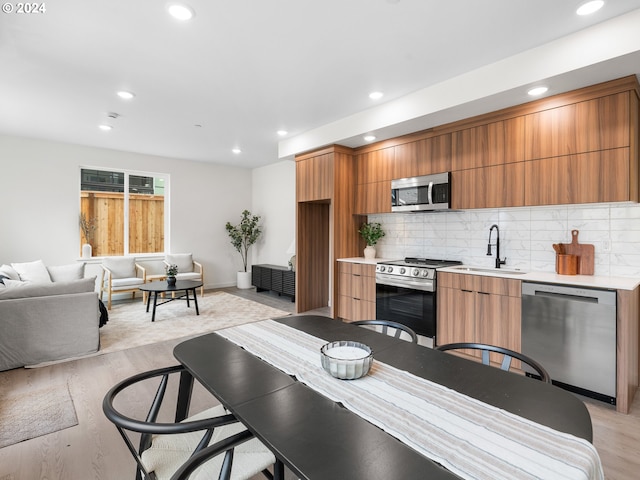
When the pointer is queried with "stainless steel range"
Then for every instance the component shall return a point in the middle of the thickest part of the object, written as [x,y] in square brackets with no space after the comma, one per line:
[406,292]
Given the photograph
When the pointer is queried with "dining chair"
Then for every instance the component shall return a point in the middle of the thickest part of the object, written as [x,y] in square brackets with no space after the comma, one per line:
[123,275]
[507,356]
[388,327]
[215,439]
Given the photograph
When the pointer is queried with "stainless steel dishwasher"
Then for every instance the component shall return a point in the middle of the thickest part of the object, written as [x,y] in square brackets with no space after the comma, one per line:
[571,331]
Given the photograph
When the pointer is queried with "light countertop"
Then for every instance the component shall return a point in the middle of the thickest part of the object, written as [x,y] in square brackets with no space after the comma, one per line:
[589,281]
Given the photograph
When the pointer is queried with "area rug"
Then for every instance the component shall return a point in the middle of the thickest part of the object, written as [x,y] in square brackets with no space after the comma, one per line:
[131,326]
[27,415]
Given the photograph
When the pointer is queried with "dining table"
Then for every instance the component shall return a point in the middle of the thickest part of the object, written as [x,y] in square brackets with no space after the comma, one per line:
[268,375]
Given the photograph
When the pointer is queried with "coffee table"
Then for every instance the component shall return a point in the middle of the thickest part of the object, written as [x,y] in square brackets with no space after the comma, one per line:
[157,287]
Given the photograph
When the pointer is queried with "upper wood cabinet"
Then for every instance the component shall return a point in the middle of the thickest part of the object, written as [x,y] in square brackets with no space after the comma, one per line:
[315,178]
[494,143]
[598,124]
[489,187]
[375,166]
[373,198]
[585,178]
[423,157]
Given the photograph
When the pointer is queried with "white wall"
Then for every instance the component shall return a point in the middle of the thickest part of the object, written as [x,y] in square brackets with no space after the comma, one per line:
[526,236]
[274,198]
[40,203]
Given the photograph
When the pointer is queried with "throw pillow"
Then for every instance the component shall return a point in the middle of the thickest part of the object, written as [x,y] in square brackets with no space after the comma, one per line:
[66,273]
[184,261]
[34,272]
[9,271]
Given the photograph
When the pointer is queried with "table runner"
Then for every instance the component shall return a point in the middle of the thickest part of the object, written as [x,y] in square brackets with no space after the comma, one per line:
[470,438]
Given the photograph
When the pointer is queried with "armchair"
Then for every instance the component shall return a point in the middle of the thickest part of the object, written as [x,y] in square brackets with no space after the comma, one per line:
[188,268]
[123,275]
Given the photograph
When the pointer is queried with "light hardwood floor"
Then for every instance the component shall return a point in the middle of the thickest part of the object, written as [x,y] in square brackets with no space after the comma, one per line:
[94,450]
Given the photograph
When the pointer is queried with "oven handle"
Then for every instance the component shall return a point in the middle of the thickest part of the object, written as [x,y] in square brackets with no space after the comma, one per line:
[425,287]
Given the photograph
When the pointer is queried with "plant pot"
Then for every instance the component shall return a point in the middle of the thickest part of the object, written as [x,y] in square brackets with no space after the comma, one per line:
[243,280]
[370,252]
[171,281]
[86,250]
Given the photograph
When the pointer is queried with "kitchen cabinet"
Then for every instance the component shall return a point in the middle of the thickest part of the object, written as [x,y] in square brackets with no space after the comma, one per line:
[314,178]
[584,178]
[373,198]
[423,157]
[376,165]
[489,187]
[598,124]
[357,291]
[481,309]
[493,143]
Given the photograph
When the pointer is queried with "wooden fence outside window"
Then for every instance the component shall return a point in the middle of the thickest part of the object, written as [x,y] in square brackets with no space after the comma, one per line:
[146,222]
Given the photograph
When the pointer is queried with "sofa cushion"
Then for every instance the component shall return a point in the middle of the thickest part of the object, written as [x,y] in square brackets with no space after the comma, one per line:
[121,267]
[9,271]
[184,261]
[34,272]
[48,289]
[66,273]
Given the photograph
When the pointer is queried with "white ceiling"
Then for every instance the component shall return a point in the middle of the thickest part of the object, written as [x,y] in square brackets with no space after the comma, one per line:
[243,69]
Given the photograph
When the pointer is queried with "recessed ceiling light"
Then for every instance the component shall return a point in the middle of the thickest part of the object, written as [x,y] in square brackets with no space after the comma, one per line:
[125,95]
[180,11]
[587,8]
[105,128]
[236,151]
[282,133]
[370,138]
[535,91]
[376,95]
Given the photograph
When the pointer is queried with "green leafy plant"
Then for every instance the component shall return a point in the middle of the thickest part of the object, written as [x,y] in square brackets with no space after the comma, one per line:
[245,234]
[171,270]
[371,233]
[88,227]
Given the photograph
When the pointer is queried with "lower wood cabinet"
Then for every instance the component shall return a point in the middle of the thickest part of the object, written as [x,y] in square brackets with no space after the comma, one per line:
[275,278]
[482,309]
[356,291]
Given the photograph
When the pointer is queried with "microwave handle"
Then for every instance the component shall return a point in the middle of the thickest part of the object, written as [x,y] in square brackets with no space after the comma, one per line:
[430,193]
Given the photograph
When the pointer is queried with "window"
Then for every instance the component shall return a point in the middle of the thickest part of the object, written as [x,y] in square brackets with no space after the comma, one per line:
[124,211]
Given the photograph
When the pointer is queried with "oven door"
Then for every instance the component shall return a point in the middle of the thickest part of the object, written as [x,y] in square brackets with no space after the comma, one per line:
[411,307]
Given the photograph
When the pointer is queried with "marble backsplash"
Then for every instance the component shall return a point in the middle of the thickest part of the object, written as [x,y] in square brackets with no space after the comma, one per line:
[526,236]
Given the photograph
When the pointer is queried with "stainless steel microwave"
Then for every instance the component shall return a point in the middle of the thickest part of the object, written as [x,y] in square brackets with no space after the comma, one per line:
[429,192]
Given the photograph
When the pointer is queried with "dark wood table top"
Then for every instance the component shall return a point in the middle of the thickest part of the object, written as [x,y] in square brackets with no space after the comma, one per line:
[163,286]
[317,438]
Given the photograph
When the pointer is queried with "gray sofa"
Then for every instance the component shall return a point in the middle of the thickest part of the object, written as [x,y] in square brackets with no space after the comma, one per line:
[43,322]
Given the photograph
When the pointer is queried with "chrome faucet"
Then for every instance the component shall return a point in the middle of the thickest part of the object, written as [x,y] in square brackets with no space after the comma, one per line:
[497,244]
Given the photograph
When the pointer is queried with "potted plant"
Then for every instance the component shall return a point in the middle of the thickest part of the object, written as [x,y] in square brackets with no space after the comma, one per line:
[88,227]
[172,271]
[371,233]
[243,235]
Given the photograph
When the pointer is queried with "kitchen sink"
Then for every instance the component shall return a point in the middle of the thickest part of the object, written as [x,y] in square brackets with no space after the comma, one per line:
[489,270]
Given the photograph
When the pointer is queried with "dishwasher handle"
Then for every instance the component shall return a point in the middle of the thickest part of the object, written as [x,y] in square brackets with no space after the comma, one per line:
[569,293]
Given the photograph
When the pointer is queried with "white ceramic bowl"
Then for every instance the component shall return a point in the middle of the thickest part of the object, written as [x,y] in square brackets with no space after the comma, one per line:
[346,360]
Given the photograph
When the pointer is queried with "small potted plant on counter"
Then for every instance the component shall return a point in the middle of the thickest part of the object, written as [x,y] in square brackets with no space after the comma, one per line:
[371,232]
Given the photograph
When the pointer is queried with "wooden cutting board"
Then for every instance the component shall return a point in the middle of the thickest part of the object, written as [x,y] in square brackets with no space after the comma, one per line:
[584,251]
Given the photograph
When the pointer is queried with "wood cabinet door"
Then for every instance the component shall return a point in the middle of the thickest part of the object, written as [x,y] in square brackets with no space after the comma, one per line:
[423,157]
[375,166]
[494,143]
[585,178]
[488,187]
[598,124]
[498,323]
[373,198]
[456,316]
[314,178]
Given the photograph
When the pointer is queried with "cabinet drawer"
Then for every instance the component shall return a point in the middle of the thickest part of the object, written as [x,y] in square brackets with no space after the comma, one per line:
[480,283]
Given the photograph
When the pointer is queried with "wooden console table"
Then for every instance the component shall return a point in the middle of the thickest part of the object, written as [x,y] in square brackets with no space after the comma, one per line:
[275,278]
